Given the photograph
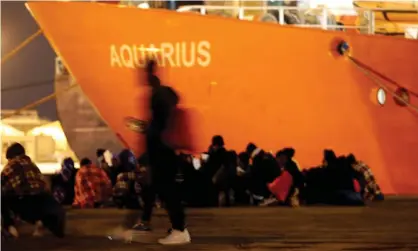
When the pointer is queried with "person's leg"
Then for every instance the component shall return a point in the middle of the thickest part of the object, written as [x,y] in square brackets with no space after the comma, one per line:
[148,197]
[348,198]
[32,210]
[28,208]
[42,208]
[227,192]
[379,197]
[169,193]
[6,212]
[143,225]
[167,188]
[8,223]
[52,214]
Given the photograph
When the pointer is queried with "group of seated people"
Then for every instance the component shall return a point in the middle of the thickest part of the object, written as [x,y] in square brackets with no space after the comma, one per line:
[219,177]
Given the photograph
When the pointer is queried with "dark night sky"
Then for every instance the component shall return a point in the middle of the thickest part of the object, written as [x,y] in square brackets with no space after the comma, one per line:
[32,65]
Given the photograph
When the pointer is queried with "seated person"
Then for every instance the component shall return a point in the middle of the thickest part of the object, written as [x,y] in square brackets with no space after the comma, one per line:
[217,157]
[62,184]
[341,191]
[369,188]
[129,181]
[263,170]
[331,183]
[24,194]
[285,161]
[92,186]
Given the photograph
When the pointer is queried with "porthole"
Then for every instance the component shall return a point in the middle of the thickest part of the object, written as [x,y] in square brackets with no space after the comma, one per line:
[381,96]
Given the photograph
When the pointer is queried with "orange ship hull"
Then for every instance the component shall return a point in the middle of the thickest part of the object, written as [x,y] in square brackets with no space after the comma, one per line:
[273,85]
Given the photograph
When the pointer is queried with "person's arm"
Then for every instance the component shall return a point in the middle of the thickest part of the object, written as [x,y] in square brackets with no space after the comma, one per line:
[6,212]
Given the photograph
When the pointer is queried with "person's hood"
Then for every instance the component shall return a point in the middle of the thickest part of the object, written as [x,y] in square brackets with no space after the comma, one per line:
[107,157]
[255,152]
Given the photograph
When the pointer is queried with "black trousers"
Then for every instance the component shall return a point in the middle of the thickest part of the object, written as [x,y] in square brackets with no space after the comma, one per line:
[32,208]
[170,196]
[164,165]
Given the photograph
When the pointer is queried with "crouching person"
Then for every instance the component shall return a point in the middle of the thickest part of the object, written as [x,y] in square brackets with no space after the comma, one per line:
[369,187]
[24,194]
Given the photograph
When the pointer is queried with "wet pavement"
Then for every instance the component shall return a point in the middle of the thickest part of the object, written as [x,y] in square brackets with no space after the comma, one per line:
[390,225]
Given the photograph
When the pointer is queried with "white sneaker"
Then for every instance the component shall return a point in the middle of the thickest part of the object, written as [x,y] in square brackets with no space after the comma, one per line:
[176,237]
[13,231]
[39,229]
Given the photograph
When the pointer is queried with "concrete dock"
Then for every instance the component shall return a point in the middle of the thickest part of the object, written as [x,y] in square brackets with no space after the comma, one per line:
[389,225]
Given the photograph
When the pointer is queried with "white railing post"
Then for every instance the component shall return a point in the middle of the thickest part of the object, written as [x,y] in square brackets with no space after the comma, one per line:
[371,23]
[322,15]
[241,13]
[281,16]
[203,10]
[324,18]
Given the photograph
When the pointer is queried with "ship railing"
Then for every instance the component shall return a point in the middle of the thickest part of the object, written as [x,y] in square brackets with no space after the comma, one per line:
[325,16]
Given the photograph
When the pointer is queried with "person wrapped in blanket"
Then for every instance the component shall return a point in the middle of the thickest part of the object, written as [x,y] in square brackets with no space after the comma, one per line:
[25,195]
[127,189]
[92,186]
[62,184]
[370,190]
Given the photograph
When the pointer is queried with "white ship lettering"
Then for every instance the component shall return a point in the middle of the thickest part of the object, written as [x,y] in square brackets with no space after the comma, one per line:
[178,54]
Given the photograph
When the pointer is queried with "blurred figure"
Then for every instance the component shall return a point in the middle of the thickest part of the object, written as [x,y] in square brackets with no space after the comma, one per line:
[92,186]
[62,184]
[163,161]
[24,194]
